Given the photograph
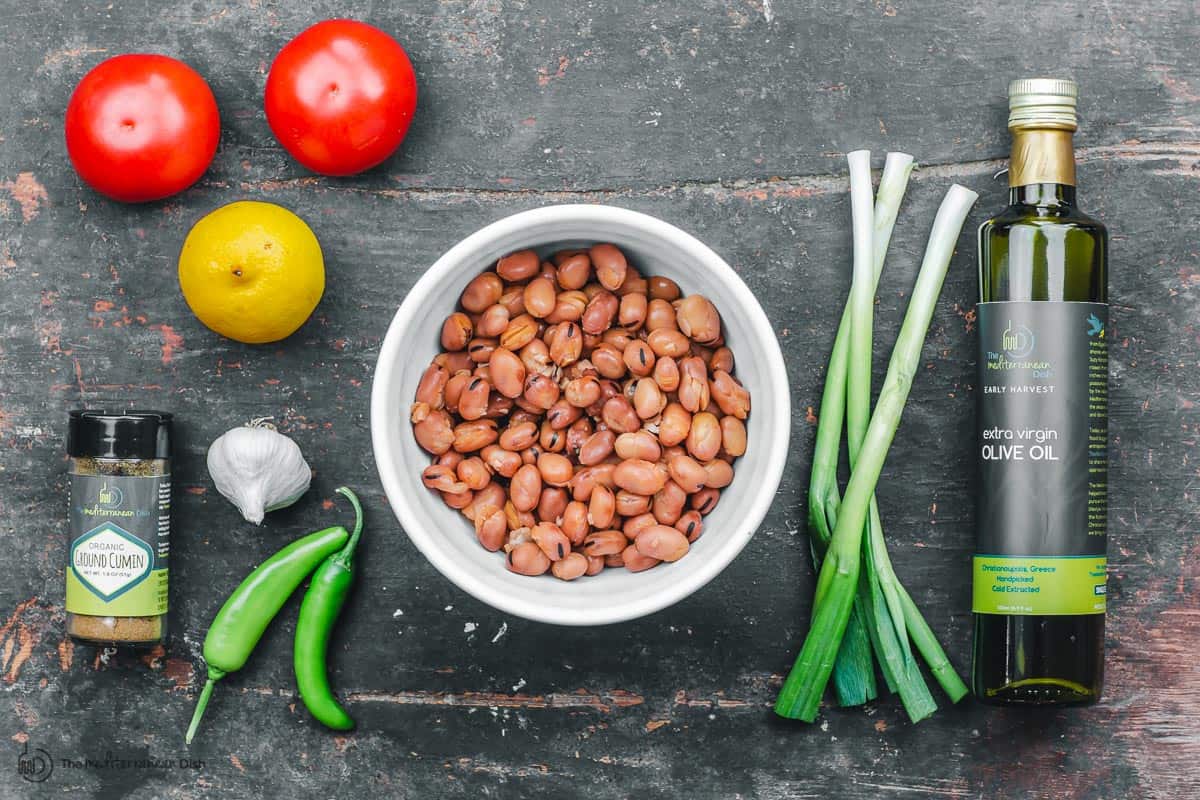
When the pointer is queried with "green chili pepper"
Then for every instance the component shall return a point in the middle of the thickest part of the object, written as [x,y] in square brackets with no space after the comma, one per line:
[242,620]
[318,613]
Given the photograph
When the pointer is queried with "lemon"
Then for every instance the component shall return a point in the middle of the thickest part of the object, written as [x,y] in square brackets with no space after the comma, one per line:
[252,271]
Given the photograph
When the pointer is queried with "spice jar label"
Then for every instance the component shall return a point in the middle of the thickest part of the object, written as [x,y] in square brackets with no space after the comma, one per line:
[119,545]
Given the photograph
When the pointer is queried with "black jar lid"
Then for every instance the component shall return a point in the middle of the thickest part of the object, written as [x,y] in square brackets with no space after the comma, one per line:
[100,433]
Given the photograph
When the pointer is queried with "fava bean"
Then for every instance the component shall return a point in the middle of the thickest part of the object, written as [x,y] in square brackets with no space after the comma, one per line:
[474,473]
[432,388]
[519,436]
[722,359]
[557,469]
[638,445]
[551,440]
[610,265]
[720,474]
[572,566]
[597,447]
[636,561]
[504,463]
[600,311]
[618,414]
[668,503]
[602,507]
[578,433]
[525,488]
[704,439]
[540,297]
[541,392]
[632,312]
[493,322]
[705,500]
[668,342]
[688,473]
[730,396]
[551,539]
[674,425]
[443,479]
[519,266]
[450,459]
[639,358]
[575,271]
[520,332]
[507,372]
[639,476]
[434,433]
[662,542]
[660,315]
[698,319]
[604,543]
[458,500]
[474,435]
[608,361]
[528,559]
[482,292]
[660,288]
[733,436]
[491,528]
[567,346]
[473,402]
[630,504]
[691,525]
[666,374]
[456,331]
[582,392]
[498,406]
[563,414]
[575,521]
[648,400]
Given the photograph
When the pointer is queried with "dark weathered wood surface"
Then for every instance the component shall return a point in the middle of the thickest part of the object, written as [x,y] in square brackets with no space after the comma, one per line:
[730,120]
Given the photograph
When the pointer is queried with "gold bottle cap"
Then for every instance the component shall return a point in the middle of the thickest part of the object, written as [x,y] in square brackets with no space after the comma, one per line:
[1042,103]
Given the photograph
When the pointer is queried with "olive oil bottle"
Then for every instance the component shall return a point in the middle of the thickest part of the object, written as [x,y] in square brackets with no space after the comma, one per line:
[1039,569]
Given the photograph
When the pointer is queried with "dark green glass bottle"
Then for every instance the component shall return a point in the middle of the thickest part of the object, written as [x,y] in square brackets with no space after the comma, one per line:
[1039,584]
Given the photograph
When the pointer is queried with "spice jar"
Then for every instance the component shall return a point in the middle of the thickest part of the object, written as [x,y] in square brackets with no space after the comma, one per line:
[120,524]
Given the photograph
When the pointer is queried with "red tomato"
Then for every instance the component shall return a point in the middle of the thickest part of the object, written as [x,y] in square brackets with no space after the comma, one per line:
[142,127]
[340,96]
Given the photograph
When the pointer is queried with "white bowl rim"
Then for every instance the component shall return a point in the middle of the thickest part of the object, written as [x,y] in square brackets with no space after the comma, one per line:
[383,406]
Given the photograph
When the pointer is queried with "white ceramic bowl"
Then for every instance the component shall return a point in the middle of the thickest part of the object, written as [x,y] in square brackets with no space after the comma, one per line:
[447,538]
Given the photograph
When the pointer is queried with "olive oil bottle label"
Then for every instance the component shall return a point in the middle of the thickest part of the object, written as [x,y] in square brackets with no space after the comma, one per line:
[1043,439]
[119,545]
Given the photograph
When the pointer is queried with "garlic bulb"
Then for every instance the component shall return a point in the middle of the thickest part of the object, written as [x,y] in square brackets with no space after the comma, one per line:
[258,469]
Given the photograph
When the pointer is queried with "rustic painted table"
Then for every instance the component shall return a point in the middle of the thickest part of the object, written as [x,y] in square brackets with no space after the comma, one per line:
[729,119]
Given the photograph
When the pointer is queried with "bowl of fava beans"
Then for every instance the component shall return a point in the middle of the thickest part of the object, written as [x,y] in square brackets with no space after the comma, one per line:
[580,414]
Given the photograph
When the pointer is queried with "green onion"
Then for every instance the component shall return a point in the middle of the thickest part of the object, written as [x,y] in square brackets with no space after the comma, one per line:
[838,581]
[854,671]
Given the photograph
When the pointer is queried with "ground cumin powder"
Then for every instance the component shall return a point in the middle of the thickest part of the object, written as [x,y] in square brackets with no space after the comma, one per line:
[120,479]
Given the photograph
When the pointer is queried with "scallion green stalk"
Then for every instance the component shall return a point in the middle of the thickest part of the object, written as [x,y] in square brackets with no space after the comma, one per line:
[854,672]
[837,582]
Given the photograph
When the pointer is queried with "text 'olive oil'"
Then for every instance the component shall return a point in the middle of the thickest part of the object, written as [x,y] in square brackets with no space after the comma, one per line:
[1039,568]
